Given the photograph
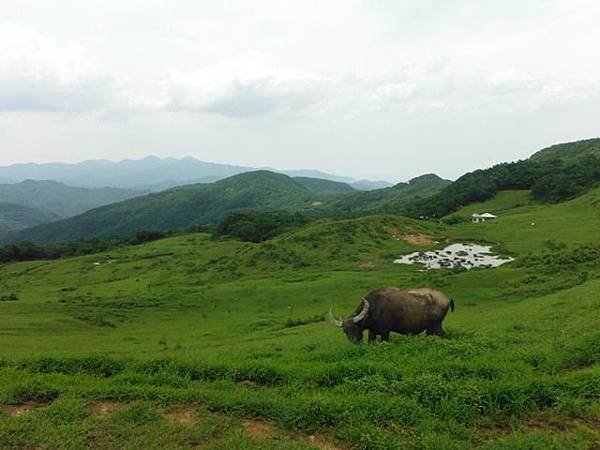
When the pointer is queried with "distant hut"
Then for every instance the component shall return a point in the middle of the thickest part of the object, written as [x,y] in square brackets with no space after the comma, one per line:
[478,218]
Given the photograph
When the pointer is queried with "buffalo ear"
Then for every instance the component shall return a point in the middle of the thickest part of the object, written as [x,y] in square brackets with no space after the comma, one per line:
[361,315]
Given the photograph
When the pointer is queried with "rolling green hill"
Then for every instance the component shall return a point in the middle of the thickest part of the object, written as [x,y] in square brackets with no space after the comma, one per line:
[60,199]
[387,200]
[178,208]
[556,174]
[207,204]
[16,217]
[321,186]
[194,342]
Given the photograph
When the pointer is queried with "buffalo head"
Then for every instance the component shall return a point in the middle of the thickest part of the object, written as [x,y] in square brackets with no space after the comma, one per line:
[352,327]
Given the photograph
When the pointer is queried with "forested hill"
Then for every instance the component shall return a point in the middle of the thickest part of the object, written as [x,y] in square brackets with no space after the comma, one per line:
[569,151]
[16,217]
[208,204]
[554,174]
[62,200]
[178,208]
[387,200]
[322,186]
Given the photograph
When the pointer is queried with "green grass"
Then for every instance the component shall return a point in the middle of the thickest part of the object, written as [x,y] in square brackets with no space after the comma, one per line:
[232,332]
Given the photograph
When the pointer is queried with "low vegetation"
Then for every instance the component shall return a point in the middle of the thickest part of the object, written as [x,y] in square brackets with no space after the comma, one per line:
[191,341]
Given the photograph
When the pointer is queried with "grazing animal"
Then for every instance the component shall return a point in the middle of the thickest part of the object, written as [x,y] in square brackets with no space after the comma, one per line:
[405,311]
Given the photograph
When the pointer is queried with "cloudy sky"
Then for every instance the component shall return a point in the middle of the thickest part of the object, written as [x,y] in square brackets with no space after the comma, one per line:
[379,89]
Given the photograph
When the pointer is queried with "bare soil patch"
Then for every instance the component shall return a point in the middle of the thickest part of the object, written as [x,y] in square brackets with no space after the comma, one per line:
[417,239]
[542,423]
[184,415]
[104,408]
[410,236]
[559,425]
[324,442]
[367,264]
[258,429]
[23,408]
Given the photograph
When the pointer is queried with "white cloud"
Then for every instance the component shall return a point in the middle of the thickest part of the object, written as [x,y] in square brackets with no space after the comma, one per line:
[242,87]
[252,86]
[37,73]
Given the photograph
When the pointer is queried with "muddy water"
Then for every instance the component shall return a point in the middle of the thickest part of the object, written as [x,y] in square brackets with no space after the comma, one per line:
[456,255]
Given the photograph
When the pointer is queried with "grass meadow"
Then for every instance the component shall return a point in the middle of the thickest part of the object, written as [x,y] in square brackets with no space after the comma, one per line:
[190,342]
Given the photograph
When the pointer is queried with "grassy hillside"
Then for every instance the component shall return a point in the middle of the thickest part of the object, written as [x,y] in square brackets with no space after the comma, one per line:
[321,186]
[59,199]
[555,175]
[190,342]
[16,217]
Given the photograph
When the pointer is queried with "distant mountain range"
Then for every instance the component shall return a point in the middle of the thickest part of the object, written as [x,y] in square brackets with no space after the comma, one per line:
[555,173]
[206,204]
[151,173]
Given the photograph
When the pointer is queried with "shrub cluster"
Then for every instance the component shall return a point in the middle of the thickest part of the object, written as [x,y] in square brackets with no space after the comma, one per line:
[28,251]
[256,226]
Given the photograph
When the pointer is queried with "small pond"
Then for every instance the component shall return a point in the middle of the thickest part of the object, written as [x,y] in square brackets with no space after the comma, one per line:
[456,255]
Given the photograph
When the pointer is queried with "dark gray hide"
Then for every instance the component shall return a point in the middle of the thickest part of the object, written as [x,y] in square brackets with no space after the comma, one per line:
[405,311]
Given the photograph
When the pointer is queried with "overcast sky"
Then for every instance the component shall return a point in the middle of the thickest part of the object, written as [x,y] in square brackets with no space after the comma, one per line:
[379,89]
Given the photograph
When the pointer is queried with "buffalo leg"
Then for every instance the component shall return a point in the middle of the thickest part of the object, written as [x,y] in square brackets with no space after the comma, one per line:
[436,329]
[385,336]
[372,336]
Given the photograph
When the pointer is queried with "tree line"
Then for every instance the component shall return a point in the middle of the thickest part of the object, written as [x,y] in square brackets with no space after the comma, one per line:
[549,181]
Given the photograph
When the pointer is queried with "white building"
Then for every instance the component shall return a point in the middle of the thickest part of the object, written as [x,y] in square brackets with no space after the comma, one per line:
[477,218]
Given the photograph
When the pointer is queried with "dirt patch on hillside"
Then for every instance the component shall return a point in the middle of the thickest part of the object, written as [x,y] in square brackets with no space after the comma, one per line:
[367,264]
[23,408]
[183,415]
[324,442]
[417,239]
[104,408]
[410,236]
[258,429]
[393,231]
[559,425]
[541,423]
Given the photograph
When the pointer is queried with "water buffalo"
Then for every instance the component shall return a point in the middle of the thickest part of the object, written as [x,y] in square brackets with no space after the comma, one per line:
[405,311]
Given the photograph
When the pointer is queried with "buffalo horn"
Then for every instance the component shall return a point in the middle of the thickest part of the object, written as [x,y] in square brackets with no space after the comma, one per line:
[361,315]
[333,320]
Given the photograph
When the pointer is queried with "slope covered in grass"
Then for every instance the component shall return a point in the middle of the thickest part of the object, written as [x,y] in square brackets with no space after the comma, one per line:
[189,341]
[556,175]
